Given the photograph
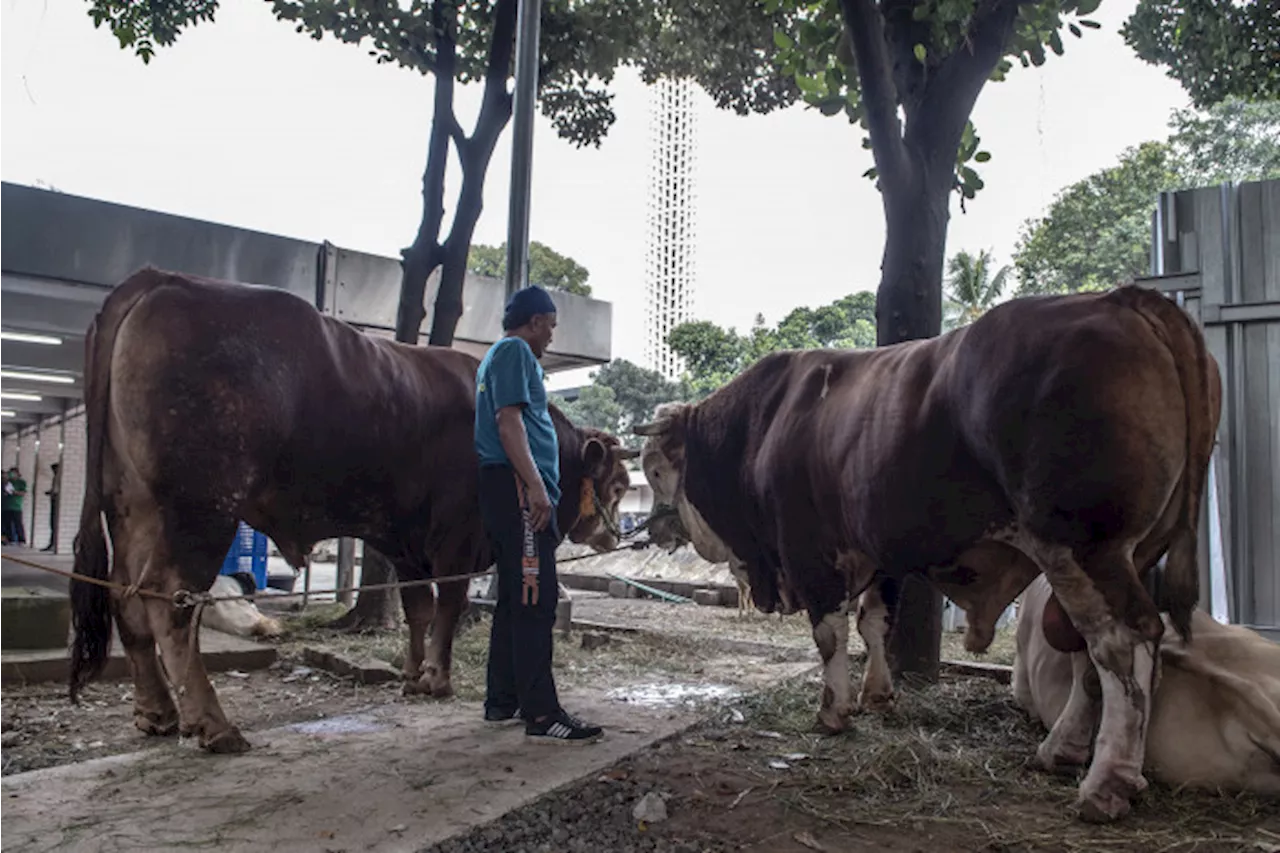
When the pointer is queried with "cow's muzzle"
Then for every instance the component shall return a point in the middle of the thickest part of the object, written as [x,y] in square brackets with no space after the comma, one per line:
[666,529]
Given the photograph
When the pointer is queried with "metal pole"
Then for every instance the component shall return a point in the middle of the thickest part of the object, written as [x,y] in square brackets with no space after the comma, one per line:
[345,574]
[62,445]
[526,96]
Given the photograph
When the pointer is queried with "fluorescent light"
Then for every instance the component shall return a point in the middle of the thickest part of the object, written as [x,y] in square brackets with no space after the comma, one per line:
[20,395]
[5,413]
[27,338]
[58,378]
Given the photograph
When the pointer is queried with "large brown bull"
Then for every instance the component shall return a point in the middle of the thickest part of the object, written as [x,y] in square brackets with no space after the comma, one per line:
[1069,435]
[210,402]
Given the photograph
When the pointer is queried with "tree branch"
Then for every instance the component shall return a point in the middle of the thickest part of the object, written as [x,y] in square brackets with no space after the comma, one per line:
[879,96]
[953,90]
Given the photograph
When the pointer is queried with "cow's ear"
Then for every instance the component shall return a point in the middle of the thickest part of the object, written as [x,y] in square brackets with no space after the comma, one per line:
[594,455]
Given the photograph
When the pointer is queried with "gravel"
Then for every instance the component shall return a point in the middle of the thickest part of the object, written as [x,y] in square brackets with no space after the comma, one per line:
[583,818]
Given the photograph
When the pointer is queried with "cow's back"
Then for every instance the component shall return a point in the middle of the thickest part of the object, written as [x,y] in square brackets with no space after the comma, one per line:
[248,401]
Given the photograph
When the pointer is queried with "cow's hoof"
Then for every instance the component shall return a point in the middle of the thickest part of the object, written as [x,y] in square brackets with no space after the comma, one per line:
[227,742]
[832,721]
[156,724]
[1109,799]
[1062,758]
[434,683]
[881,704]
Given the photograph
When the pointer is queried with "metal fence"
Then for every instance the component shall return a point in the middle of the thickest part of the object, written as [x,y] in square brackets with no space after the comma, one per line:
[1217,252]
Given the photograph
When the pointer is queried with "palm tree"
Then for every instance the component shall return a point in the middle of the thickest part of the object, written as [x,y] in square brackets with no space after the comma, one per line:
[971,289]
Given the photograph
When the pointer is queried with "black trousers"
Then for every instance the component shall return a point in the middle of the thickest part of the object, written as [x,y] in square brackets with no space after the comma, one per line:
[13,526]
[53,523]
[520,643]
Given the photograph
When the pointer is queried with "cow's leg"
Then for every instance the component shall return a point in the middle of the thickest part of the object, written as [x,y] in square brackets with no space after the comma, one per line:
[437,667]
[153,710]
[419,604]
[1071,739]
[1125,661]
[831,636]
[875,618]
[186,557]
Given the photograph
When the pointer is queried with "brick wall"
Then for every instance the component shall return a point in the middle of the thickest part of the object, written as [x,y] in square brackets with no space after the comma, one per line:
[27,467]
[73,462]
[38,529]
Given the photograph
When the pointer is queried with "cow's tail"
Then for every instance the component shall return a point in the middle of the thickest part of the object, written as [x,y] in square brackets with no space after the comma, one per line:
[91,603]
[1181,582]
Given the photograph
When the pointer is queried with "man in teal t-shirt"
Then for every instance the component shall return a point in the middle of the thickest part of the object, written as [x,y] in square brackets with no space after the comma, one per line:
[519,491]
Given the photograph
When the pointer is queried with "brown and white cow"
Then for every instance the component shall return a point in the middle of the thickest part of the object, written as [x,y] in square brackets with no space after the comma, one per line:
[1065,434]
[1215,713]
[210,402]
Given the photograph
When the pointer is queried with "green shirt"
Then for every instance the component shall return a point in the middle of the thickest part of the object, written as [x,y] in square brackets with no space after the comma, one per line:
[14,501]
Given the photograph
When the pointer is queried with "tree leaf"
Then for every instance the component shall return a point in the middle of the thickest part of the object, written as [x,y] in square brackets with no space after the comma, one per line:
[1087,7]
[919,51]
[782,40]
[982,156]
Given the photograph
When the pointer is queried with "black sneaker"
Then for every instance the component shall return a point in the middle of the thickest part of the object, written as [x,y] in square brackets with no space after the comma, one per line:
[499,717]
[562,728]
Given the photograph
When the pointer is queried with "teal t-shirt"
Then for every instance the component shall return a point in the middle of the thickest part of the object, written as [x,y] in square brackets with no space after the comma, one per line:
[510,375]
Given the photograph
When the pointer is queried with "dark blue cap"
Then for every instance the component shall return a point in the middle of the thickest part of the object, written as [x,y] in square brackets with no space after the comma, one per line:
[524,304]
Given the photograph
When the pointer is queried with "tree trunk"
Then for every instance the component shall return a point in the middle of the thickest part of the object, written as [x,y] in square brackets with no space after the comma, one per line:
[376,609]
[909,307]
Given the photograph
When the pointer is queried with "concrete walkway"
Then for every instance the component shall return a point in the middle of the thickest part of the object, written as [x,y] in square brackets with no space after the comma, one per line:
[390,779]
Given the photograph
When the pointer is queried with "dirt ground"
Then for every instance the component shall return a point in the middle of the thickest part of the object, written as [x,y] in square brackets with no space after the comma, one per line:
[689,620]
[950,769]
[41,728]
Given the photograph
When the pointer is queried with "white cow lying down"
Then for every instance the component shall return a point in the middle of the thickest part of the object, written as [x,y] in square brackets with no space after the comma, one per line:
[240,617]
[1215,716]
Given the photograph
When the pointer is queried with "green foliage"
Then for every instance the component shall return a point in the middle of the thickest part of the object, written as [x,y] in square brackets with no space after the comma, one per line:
[596,406]
[923,40]
[144,24]
[1234,140]
[713,355]
[726,47]
[638,391]
[973,286]
[621,394]
[1097,232]
[547,267]
[1216,49]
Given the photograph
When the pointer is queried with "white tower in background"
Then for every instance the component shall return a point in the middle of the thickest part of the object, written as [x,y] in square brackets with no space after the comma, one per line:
[670,251]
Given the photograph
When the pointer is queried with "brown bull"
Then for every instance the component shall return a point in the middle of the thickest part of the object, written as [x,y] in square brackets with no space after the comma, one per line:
[1069,435]
[210,402]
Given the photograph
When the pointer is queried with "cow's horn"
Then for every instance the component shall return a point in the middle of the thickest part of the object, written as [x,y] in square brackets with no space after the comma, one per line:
[656,428]
[627,453]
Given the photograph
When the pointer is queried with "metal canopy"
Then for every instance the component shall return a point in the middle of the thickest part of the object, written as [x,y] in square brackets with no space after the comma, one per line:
[62,254]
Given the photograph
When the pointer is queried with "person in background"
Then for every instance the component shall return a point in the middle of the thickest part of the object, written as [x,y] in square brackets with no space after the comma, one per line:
[519,490]
[15,491]
[55,489]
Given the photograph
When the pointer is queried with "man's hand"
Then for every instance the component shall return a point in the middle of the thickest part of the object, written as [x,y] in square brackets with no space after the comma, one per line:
[539,507]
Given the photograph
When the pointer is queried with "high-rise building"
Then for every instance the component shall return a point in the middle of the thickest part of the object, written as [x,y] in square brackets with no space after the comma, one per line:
[670,233]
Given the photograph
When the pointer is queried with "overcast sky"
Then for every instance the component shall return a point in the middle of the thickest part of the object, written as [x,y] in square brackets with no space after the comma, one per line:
[246,122]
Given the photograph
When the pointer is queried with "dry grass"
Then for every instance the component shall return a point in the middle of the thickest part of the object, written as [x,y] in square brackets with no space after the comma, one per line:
[624,659]
[961,754]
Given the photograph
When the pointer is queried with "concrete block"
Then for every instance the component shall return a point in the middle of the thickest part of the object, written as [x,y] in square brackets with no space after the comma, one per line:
[34,618]
[707,597]
[365,670]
